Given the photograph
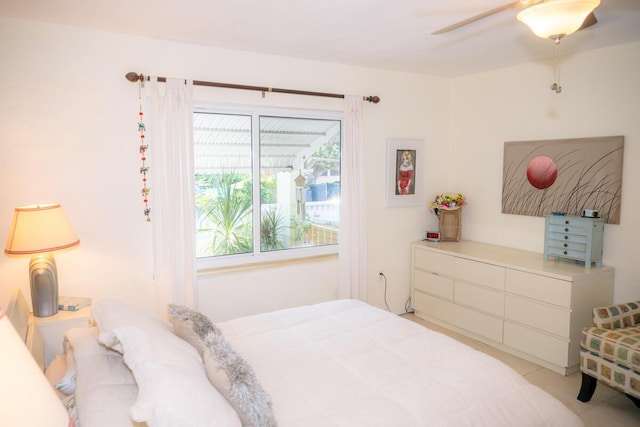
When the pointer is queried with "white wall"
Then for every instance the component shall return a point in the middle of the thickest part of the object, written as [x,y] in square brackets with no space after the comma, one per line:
[225,295]
[600,97]
[68,133]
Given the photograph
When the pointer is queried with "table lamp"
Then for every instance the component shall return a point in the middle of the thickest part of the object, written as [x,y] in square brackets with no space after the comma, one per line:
[40,230]
[28,400]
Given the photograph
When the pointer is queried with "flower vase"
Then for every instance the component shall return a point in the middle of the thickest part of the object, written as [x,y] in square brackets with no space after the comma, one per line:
[450,223]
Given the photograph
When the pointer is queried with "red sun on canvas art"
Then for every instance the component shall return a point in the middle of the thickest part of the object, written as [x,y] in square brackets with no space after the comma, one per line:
[542,172]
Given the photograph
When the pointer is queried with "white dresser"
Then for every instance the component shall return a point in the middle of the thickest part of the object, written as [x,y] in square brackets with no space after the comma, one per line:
[508,298]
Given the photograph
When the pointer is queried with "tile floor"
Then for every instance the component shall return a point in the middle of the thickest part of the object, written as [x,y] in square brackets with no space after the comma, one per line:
[608,407]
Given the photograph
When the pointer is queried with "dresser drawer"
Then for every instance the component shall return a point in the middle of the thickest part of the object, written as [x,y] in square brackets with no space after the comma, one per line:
[567,245]
[480,273]
[432,261]
[480,298]
[433,306]
[565,253]
[540,345]
[478,323]
[563,237]
[556,321]
[433,283]
[566,229]
[570,221]
[541,288]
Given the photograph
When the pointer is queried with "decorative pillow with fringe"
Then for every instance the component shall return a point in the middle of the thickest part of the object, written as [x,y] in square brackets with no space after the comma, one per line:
[191,325]
[235,379]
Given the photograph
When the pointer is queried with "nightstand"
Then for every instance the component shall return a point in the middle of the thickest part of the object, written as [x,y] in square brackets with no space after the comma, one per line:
[53,328]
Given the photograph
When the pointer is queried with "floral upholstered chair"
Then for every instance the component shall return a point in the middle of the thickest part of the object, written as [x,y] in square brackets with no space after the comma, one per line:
[610,351]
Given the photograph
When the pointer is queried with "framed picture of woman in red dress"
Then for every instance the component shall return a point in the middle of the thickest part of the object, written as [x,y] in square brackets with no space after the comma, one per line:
[404,172]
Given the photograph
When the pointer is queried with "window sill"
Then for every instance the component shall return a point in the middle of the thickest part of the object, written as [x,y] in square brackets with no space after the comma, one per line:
[261,265]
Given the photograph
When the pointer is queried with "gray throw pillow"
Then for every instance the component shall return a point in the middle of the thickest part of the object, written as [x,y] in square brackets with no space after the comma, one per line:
[191,325]
[234,378]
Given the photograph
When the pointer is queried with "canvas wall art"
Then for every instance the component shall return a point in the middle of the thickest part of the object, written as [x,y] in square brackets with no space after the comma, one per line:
[565,175]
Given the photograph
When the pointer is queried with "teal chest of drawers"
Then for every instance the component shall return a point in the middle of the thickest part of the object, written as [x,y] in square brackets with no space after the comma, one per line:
[575,238]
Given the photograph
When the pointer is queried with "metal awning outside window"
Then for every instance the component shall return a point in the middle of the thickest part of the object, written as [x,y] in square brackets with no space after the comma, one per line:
[223,141]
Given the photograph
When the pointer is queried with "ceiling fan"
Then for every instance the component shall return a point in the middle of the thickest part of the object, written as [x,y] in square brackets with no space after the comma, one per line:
[548,19]
[551,16]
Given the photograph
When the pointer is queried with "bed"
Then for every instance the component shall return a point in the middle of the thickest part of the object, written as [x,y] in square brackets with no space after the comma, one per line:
[339,363]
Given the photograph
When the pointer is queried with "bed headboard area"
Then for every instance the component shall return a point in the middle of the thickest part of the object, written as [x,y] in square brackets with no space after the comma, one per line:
[18,313]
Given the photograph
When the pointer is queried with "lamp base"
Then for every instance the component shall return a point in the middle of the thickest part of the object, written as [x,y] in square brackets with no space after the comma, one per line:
[43,277]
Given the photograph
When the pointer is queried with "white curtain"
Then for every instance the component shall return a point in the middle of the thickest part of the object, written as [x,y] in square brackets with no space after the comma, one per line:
[352,262]
[171,174]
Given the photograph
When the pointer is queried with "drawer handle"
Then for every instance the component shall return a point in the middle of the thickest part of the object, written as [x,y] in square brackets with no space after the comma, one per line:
[566,245]
[565,252]
[567,222]
[566,237]
[566,230]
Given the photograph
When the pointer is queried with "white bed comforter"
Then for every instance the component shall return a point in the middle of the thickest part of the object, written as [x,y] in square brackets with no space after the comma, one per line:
[345,363]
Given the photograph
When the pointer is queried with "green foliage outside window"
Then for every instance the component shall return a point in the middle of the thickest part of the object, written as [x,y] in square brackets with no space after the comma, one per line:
[226,210]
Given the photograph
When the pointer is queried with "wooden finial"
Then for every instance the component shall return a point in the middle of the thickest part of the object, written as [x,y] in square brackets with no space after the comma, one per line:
[133,77]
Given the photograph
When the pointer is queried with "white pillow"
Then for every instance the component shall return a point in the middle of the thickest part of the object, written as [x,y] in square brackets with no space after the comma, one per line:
[110,314]
[67,384]
[173,388]
[105,387]
[55,371]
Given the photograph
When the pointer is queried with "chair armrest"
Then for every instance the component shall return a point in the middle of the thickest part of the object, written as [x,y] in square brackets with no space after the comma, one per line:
[617,316]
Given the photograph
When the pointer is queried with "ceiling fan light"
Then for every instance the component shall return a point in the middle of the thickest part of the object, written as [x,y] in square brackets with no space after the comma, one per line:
[557,18]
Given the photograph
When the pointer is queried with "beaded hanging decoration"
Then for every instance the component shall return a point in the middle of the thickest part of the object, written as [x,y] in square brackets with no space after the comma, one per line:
[143,154]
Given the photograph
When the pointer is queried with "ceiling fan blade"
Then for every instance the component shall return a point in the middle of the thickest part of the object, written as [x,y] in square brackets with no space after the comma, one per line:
[513,5]
[588,21]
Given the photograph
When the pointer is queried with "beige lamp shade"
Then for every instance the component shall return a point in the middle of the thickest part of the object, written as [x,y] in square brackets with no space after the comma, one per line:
[40,229]
[28,400]
[557,18]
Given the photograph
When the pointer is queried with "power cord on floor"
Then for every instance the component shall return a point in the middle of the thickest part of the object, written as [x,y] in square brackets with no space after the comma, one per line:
[407,306]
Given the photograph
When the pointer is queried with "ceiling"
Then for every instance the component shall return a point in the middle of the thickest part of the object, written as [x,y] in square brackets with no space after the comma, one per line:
[385,34]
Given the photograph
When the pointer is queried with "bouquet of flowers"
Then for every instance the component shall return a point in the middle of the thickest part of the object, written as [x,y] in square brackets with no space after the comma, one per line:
[447,201]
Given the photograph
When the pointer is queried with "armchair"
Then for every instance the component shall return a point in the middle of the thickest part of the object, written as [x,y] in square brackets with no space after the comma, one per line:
[610,351]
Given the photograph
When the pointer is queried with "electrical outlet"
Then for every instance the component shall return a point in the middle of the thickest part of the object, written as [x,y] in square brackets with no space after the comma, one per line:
[380,277]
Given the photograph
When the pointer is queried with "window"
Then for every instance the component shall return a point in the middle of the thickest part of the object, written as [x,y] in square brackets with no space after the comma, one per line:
[266,185]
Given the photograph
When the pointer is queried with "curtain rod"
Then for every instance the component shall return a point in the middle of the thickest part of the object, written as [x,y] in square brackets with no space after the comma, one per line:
[133,77]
